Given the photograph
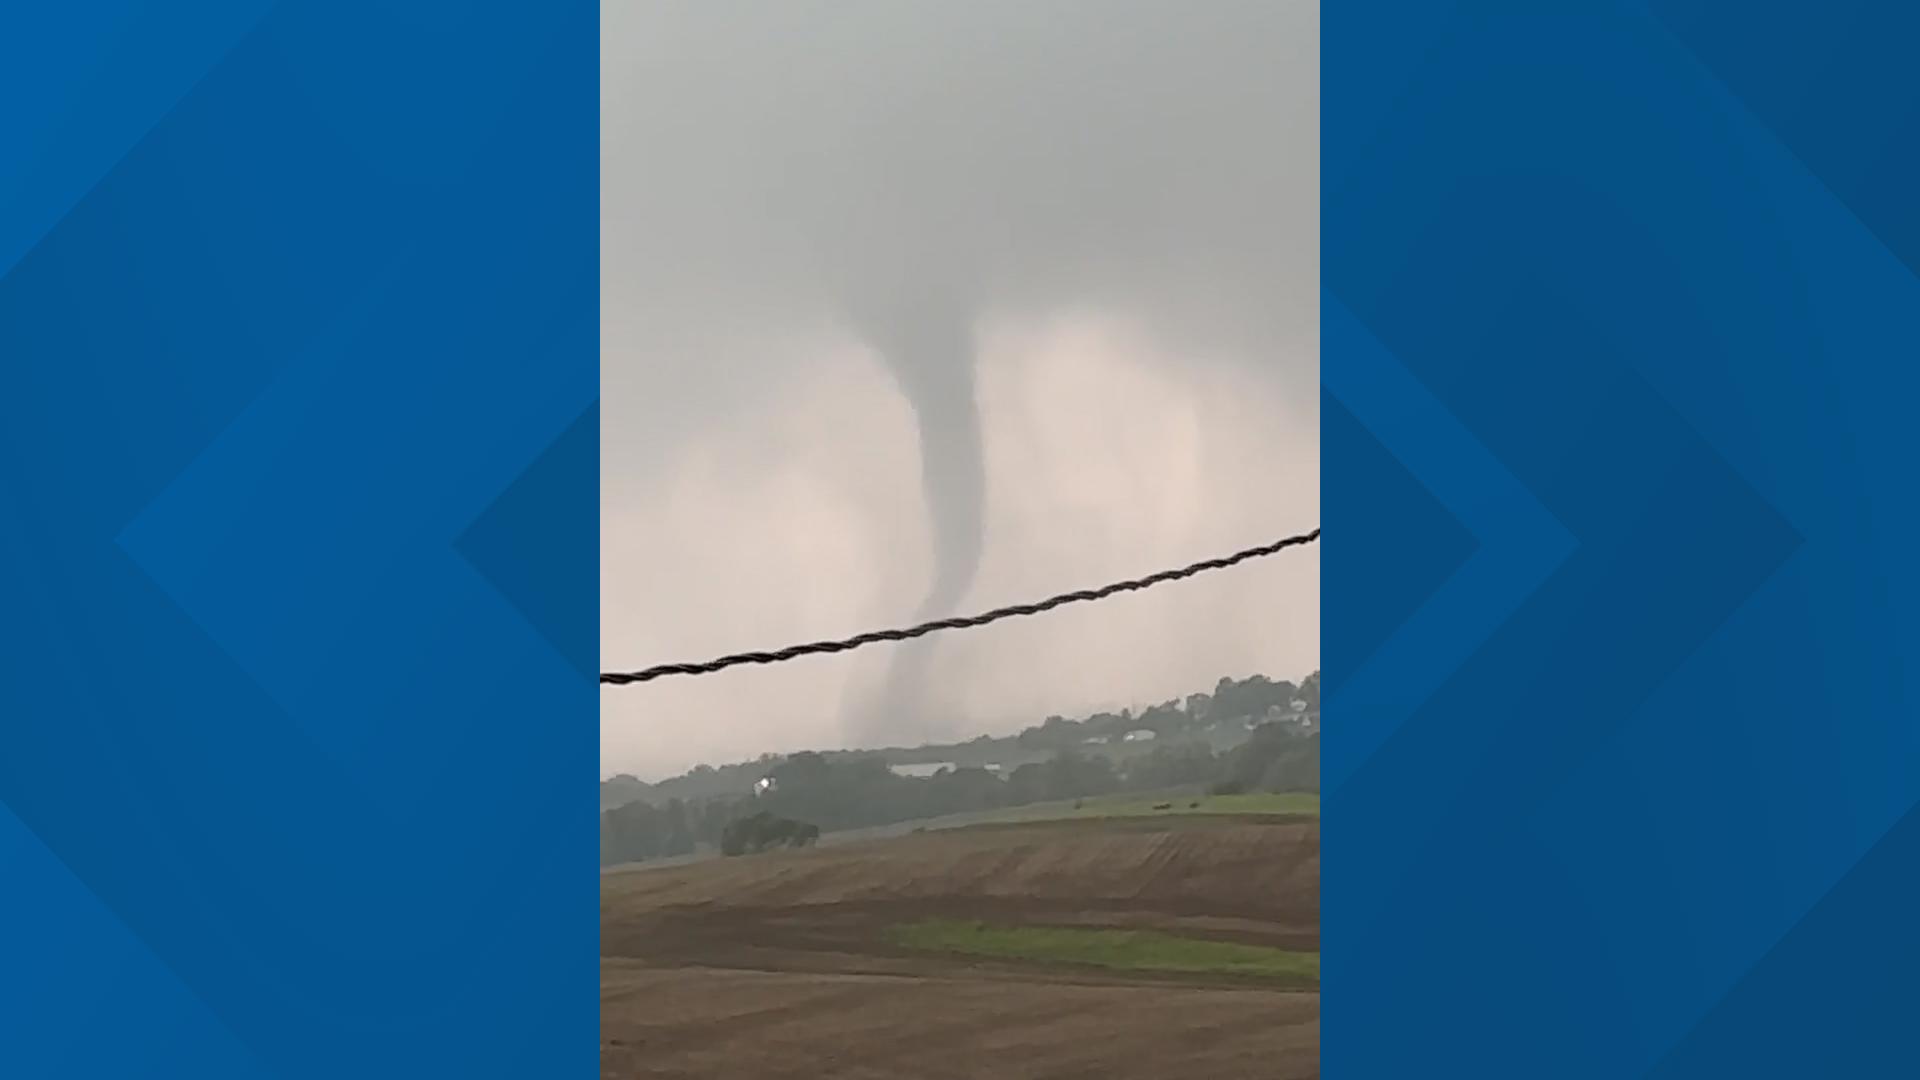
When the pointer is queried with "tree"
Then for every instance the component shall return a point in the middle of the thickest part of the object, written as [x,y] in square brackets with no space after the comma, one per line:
[1277,758]
[679,832]
[1172,766]
[1068,775]
[763,831]
[631,833]
[623,789]
[1309,692]
[1297,770]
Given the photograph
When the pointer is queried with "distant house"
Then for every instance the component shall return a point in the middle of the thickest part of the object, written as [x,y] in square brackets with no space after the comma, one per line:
[1139,735]
[764,785]
[920,771]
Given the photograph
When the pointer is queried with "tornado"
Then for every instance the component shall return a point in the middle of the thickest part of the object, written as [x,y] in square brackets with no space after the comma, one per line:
[927,342]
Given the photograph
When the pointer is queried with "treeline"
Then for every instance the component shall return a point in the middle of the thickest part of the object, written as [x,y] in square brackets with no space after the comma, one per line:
[700,782]
[1222,719]
[1233,707]
[639,831]
[1280,752]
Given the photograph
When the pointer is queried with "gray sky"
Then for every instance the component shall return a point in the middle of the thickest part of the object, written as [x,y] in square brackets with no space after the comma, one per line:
[910,308]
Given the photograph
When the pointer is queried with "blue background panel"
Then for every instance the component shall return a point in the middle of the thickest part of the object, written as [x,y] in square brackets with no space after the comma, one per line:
[298,539]
[1626,784]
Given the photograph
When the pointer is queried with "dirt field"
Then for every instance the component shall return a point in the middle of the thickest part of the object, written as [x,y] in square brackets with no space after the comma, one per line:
[778,965]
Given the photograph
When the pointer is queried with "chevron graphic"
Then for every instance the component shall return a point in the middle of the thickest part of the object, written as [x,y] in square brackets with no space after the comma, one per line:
[298,313]
[1651,266]
[1518,543]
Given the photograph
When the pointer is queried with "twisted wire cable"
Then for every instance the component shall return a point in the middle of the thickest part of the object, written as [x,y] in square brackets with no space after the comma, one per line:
[623,678]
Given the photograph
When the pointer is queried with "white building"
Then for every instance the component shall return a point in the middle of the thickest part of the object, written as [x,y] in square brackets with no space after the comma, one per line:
[922,771]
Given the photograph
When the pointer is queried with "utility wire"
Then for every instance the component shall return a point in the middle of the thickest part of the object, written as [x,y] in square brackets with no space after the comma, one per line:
[622,678]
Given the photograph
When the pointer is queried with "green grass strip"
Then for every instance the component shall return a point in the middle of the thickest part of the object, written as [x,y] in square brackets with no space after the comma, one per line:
[1123,950]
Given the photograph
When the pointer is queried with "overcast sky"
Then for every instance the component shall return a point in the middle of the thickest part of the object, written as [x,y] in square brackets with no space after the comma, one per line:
[915,308]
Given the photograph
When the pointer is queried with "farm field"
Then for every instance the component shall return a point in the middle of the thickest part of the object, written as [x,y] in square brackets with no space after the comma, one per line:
[1105,806]
[1128,944]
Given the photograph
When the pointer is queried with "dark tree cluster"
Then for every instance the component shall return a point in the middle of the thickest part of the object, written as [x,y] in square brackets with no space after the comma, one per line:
[763,831]
[638,831]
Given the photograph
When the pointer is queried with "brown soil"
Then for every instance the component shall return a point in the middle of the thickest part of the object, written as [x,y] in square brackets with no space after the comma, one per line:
[778,965]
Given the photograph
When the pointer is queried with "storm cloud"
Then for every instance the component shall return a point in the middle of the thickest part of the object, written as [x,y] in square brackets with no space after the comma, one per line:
[863,264]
